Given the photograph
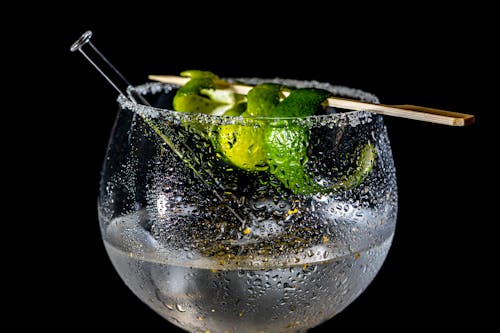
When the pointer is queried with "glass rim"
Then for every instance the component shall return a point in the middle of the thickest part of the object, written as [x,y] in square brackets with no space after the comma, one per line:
[337,90]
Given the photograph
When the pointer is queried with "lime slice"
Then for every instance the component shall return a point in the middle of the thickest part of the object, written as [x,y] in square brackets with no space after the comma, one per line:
[286,151]
[301,102]
[263,99]
[197,74]
[364,165]
[200,95]
[243,146]
[286,144]
[237,110]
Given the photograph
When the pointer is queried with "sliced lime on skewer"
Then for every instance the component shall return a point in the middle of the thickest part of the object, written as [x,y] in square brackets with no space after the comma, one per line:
[200,95]
[278,146]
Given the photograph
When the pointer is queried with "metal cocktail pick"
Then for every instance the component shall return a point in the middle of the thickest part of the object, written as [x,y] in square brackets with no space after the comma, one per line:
[122,85]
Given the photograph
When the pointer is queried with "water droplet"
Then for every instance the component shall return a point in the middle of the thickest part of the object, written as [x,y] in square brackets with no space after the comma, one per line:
[180,307]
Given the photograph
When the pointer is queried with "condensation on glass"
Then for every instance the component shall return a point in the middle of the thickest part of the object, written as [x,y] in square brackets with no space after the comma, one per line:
[214,248]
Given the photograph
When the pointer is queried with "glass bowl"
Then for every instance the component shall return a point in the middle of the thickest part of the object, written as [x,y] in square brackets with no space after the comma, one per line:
[280,245]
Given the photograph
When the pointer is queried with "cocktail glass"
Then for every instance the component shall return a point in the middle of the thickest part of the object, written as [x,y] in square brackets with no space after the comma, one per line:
[215,248]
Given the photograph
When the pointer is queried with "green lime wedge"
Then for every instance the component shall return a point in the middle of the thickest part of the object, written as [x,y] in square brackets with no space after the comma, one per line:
[286,151]
[243,146]
[286,143]
[301,102]
[364,164]
[200,95]
[263,99]
[197,74]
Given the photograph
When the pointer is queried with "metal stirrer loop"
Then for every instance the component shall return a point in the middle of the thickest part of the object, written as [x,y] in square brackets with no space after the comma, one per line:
[95,56]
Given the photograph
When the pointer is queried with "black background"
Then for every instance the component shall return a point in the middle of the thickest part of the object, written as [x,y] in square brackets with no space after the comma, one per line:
[438,273]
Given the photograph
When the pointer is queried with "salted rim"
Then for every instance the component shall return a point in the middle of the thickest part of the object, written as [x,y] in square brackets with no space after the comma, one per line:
[336,90]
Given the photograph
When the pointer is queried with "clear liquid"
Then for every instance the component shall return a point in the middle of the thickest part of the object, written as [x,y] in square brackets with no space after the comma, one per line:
[202,295]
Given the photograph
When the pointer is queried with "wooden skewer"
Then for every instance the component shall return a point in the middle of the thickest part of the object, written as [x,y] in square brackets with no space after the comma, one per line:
[403,111]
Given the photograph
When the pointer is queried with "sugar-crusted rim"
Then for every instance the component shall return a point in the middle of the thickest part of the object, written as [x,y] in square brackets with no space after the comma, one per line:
[340,91]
